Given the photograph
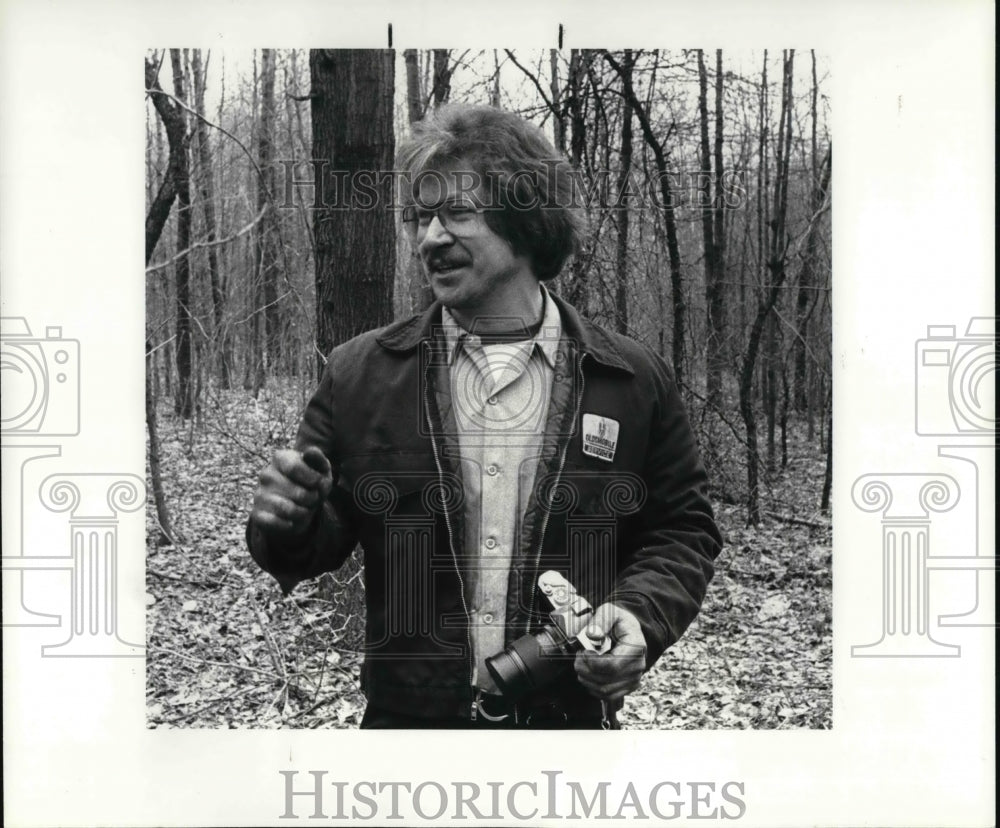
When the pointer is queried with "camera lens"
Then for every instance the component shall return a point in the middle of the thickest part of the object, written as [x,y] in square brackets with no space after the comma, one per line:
[530,662]
[24,396]
[508,672]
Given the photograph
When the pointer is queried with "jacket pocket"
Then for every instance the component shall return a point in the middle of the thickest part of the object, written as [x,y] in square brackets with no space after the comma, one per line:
[591,517]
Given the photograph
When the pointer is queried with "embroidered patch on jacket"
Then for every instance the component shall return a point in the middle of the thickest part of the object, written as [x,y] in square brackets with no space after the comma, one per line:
[600,436]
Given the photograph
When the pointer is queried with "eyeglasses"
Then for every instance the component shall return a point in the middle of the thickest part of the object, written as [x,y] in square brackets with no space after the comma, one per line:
[457,217]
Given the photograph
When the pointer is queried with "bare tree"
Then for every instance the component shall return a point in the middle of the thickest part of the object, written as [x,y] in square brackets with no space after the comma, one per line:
[442,77]
[414,107]
[266,246]
[420,294]
[713,230]
[184,399]
[775,277]
[622,202]
[156,219]
[172,116]
[657,147]
[805,303]
[558,109]
[575,285]
[206,193]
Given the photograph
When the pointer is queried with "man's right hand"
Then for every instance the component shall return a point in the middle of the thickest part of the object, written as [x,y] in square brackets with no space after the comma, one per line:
[290,490]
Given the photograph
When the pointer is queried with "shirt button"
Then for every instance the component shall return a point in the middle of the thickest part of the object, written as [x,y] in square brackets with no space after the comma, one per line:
[490,543]
[493,400]
[492,469]
[488,618]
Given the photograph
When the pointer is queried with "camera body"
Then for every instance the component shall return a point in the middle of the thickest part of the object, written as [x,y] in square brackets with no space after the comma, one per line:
[533,661]
[41,381]
[955,381]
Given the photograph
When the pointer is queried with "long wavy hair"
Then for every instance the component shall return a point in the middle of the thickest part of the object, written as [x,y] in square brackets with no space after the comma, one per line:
[527,188]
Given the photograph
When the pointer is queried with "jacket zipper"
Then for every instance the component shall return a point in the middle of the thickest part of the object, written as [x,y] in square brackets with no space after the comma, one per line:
[548,507]
[451,538]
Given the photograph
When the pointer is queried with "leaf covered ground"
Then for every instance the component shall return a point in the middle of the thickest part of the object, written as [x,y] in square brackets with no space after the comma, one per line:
[226,650]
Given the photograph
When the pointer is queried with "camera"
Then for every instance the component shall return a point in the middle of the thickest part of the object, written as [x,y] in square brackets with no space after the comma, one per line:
[41,381]
[955,379]
[533,661]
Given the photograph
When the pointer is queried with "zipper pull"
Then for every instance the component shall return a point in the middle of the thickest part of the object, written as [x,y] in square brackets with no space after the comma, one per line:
[475,710]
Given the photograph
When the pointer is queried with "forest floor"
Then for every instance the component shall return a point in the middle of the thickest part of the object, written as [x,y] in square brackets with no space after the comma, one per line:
[226,650]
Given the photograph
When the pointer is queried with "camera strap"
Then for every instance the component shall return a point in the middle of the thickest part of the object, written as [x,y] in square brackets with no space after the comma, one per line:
[478,710]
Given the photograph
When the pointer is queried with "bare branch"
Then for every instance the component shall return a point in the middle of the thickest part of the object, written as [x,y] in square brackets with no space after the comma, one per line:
[204,244]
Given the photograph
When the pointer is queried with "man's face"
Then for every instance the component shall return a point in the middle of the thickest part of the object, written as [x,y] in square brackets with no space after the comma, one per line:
[469,266]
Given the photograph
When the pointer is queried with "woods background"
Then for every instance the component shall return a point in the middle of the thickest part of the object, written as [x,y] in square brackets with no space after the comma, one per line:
[708,183]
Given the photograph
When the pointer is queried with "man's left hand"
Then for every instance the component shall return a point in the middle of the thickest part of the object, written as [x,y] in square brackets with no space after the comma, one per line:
[612,675]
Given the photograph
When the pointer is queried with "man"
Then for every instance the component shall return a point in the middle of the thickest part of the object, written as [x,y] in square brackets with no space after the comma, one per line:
[492,439]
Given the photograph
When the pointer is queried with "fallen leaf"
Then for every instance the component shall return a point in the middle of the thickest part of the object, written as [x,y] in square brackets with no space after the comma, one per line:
[773,607]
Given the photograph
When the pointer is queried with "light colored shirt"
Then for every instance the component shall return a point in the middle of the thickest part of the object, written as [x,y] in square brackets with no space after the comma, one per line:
[500,396]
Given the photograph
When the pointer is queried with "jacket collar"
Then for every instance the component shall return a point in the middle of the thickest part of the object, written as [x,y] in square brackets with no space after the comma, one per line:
[593,341]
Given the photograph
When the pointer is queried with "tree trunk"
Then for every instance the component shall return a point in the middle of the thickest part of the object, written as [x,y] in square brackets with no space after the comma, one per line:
[669,220]
[715,296]
[174,124]
[414,106]
[253,375]
[418,288]
[442,77]
[770,387]
[712,225]
[579,62]
[156,218]
[802,304]
[352,116]
[774,277]
[712,388]
[558,114]
[206,192]
[576,291]
[267,236]
[162,513]
[779,242]
[622,206]
[783,422]
[495,88]
[184,400]
[828,473]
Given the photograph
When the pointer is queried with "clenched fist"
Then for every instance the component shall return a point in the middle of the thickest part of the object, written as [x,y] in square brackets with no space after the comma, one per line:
[291,489]
[614,674]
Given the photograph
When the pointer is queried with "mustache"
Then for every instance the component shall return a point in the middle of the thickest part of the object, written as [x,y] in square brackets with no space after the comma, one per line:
[437,261]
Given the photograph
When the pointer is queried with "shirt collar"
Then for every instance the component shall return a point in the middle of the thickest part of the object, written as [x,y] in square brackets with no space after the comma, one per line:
[546,340]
